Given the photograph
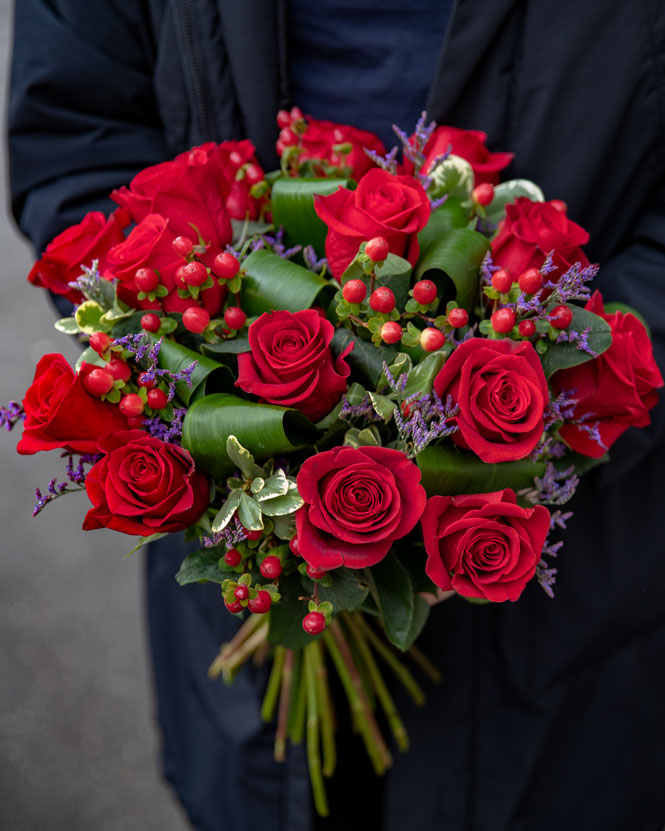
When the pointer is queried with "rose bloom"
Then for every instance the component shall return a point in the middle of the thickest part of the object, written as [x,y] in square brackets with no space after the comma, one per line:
[614,391]
[144,486]
[78,245]
[470,145]
[320,138]
[393,207]
[483,545]
[501,391]
[290,363]
[61,413]
[531,230]
[358,501]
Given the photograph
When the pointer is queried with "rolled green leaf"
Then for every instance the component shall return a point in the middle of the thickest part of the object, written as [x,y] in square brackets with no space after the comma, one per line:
[450,215]
[208,375]
[565,355]
[265,430]
[292,204]
[447,471]
[456,256]
[271,282]
[365,359]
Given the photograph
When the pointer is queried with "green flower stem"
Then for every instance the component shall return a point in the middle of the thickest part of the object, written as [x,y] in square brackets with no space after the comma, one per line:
[313,754]
[325,708]
[296,726]
[284,703]
[353,686]
[272,690]
[252,623]
[402,673]
[419,658]
[387,703]
[239,656]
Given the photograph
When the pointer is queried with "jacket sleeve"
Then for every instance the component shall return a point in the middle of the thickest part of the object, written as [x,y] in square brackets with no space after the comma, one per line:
[82,116]
[636,276]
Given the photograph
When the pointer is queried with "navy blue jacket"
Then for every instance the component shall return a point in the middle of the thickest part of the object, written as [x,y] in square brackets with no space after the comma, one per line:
[552,713]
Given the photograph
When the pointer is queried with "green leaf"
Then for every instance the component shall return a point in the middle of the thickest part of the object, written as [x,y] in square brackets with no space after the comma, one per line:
[292,204]
[382,406]
[448,471]
[394,272]
[243,229]
[284,526]
[275,485]
[508,192]
[565,355]
[392,590]
[365,359]
[88,317]
[167,325]
[285,627]
[421,612]
[450,215]
[234,346]
[624,308]
[242,458]
[67,325]
[145,541]
[201,566]
[272,282]
[265,430]
[249,512]
[348,589]
[282,505]
[455,256]
[413,558]
[225,513]
[208,375]
[369,437]
[89,356]
[421,377]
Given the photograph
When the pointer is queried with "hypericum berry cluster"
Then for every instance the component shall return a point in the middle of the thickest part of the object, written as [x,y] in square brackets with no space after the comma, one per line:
[318,617]
[241,594]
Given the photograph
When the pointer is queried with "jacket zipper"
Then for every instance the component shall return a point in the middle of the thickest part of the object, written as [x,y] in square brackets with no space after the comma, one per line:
[200,92]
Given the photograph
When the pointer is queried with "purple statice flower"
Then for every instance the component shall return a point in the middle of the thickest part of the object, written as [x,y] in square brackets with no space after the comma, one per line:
[560,408]
[396,386]
[312,262]
[428,419]
[145,352]
[11,415]
[436,203]
[580,339]
[75,476]
[230,536]
[364,410]
[559,519]
[591,428]
[93,286]
[556,487]
[546,576]
[387,162]
[170,432]
[276,243]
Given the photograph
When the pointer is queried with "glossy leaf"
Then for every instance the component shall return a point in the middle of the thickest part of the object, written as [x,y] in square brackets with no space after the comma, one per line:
[565,355]
[392,590]
[421,377]
[249,512]
[201,566]
[285,626]
[225,513]
[67,325]
[365,359]
[348,590]
[242,458]
[455,256]
[450,215]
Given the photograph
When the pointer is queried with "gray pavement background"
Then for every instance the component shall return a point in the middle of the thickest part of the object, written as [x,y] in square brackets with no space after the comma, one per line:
[78,747]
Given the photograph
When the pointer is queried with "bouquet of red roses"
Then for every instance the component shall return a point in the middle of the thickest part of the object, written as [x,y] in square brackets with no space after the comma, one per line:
[358,381]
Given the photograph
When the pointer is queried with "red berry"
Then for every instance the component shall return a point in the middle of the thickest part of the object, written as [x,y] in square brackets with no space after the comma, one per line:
[241,592]
[193,274]
[253,174]
[530,281]
[560,317]
[195,319]
[391,332]
[293,545]
[146,279]
[432,339]
[226,266]
[232,557]
[288,137]
[151,322]
[354,291]
[483,194]
[253,535]
[234,317]
[119,369]
[382,300]
[377,249]
[502,281]
[559,205]
[526,328]
[100,342]
[271,567]
[260,604]
[182,246]
[236,158]
[157,399]
[458,318]
[283,119]
[424,292]
[314,623]
[503,320]
[235,607]
[135,421]
[315,573]
[280,147]
[131,404]
[98,382]
[144,381]
[296,114]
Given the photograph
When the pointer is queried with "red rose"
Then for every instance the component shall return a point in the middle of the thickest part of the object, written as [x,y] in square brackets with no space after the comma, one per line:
[483,545]
[231,159]
[469,145]
[78,245]
[614,391]
[358,502]
[531,230]
[320,138]
[144,486]
[290,363]
[61,413]
[188,190]
[393,207]
[501,391]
